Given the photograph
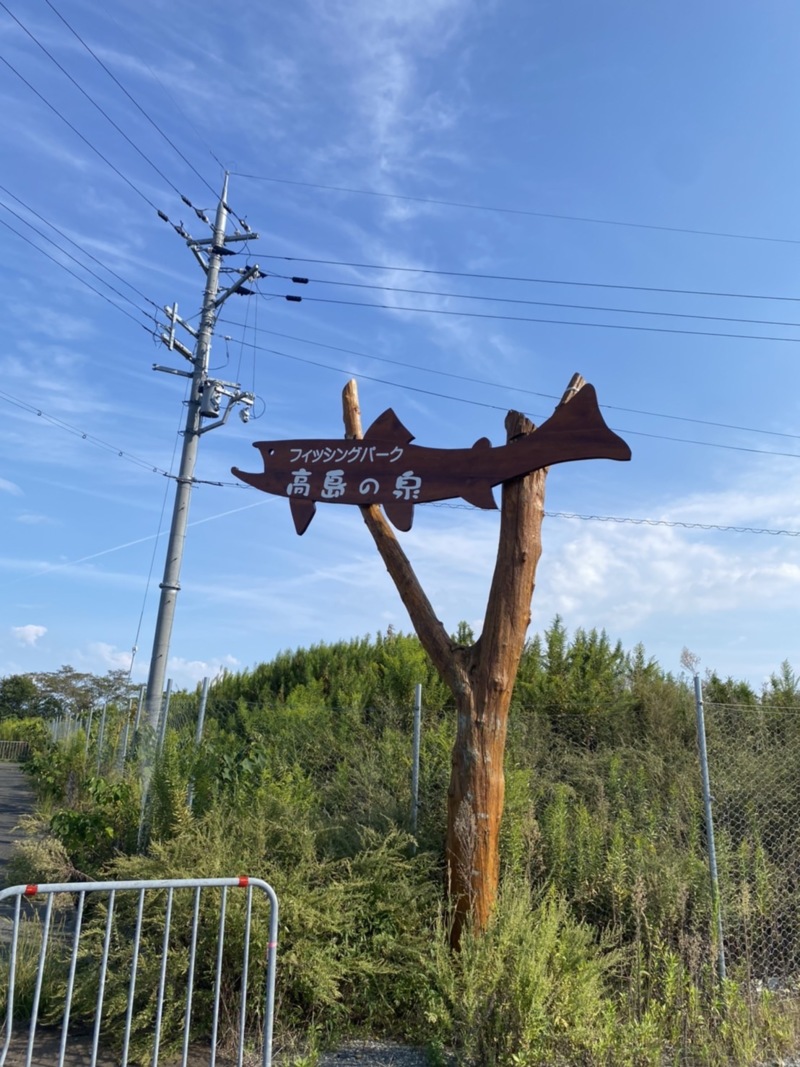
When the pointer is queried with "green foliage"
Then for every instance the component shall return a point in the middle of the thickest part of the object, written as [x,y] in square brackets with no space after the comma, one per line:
[65,691]
[99,823]
[361,674]
[353,929]
[600,951]
[32,730]
[18,696]
[168,790]
[59,772]
[532,990]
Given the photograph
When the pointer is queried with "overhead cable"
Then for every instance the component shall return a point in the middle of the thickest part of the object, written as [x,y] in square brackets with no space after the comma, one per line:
[629,520]
[132,99]
[551,322]
[78,133]
[530,280]
[83,281]
[90,98]
[428,369]
[74,259]
[541,303]
[83,434]
[522,211]
[498,407]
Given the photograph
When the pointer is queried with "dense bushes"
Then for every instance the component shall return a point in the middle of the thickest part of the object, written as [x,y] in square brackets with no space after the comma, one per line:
[600,950]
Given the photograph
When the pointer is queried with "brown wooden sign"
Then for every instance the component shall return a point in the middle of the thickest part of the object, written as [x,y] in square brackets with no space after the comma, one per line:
[385,468]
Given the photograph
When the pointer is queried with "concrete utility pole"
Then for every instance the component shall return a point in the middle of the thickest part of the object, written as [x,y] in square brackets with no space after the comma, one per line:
[204,403]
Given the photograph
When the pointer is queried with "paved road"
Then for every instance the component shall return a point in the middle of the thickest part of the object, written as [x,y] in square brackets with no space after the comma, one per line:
[16,800]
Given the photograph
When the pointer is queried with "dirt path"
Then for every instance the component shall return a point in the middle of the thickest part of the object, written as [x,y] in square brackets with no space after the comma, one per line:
[16,800]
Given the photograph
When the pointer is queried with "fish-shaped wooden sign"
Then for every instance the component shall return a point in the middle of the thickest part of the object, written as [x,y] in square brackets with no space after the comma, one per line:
[385,468]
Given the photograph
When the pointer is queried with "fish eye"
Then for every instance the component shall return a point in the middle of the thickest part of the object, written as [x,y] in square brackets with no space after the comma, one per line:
[272,451]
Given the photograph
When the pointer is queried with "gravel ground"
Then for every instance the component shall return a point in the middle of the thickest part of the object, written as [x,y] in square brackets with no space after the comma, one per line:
[374,1054]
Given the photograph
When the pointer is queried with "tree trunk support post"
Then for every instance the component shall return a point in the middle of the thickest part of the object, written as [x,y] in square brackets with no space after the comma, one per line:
[480,676]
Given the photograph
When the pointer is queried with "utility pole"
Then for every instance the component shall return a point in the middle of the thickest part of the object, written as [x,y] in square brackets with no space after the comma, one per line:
[204,403]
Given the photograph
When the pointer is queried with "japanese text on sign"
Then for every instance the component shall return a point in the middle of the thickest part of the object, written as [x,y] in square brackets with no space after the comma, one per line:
[349,454]
[407,485]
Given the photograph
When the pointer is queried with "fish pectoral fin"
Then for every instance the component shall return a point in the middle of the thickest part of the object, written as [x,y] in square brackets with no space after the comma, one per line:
[400,513]
[482,442]
[302,512]
[387,427]
[480,495]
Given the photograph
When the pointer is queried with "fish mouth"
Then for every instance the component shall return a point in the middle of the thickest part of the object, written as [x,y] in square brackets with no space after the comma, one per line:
[244,476]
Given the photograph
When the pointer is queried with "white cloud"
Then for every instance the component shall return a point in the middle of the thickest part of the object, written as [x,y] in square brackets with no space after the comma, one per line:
[636,574]
[28,635]
[186,672]
[9,487]
[30,518]
[109,656]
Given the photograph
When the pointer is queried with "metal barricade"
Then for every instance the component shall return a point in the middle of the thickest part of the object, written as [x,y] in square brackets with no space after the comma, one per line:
[104,938]
[14,751]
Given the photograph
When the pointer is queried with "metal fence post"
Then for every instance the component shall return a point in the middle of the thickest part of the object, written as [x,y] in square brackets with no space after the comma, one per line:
[101,736]
[162,732]
[709,820]
[198,737]
[125,734]
[89,730]
[415,758]
[138,712]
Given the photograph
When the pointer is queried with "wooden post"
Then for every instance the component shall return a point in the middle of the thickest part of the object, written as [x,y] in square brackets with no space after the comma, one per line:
[480,676]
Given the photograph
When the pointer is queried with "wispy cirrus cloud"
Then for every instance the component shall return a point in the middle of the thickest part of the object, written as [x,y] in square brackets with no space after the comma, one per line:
[31,518]
[384,54]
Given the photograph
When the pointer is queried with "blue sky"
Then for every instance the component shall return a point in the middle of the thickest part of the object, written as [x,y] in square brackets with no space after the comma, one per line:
[671,118]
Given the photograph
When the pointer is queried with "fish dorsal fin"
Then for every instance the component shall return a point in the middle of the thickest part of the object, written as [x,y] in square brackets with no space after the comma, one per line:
[480,495]
[482,443]
[387,427]
[302,512]
[400,513]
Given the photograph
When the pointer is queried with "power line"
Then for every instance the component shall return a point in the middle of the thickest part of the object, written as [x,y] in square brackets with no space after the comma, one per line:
[132,99]
[628,520]
[515,388]
[78,133]
[544,303]
[521,211]
[83,434]
[83,281]
[617,519]
[74,259]
[675,524]
[75,244]
[529,280]
[498,407]
[90,98]
[551,322]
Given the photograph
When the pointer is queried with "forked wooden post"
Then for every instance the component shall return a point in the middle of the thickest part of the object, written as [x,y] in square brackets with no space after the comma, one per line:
[480,676]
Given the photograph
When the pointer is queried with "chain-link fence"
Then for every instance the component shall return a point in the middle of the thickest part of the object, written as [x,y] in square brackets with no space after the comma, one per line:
[754,766]
[754,761]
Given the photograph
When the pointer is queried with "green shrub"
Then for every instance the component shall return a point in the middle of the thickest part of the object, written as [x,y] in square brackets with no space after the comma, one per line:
[533,989]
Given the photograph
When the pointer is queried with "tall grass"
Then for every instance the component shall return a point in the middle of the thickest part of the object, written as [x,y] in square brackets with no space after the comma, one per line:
[600,951]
